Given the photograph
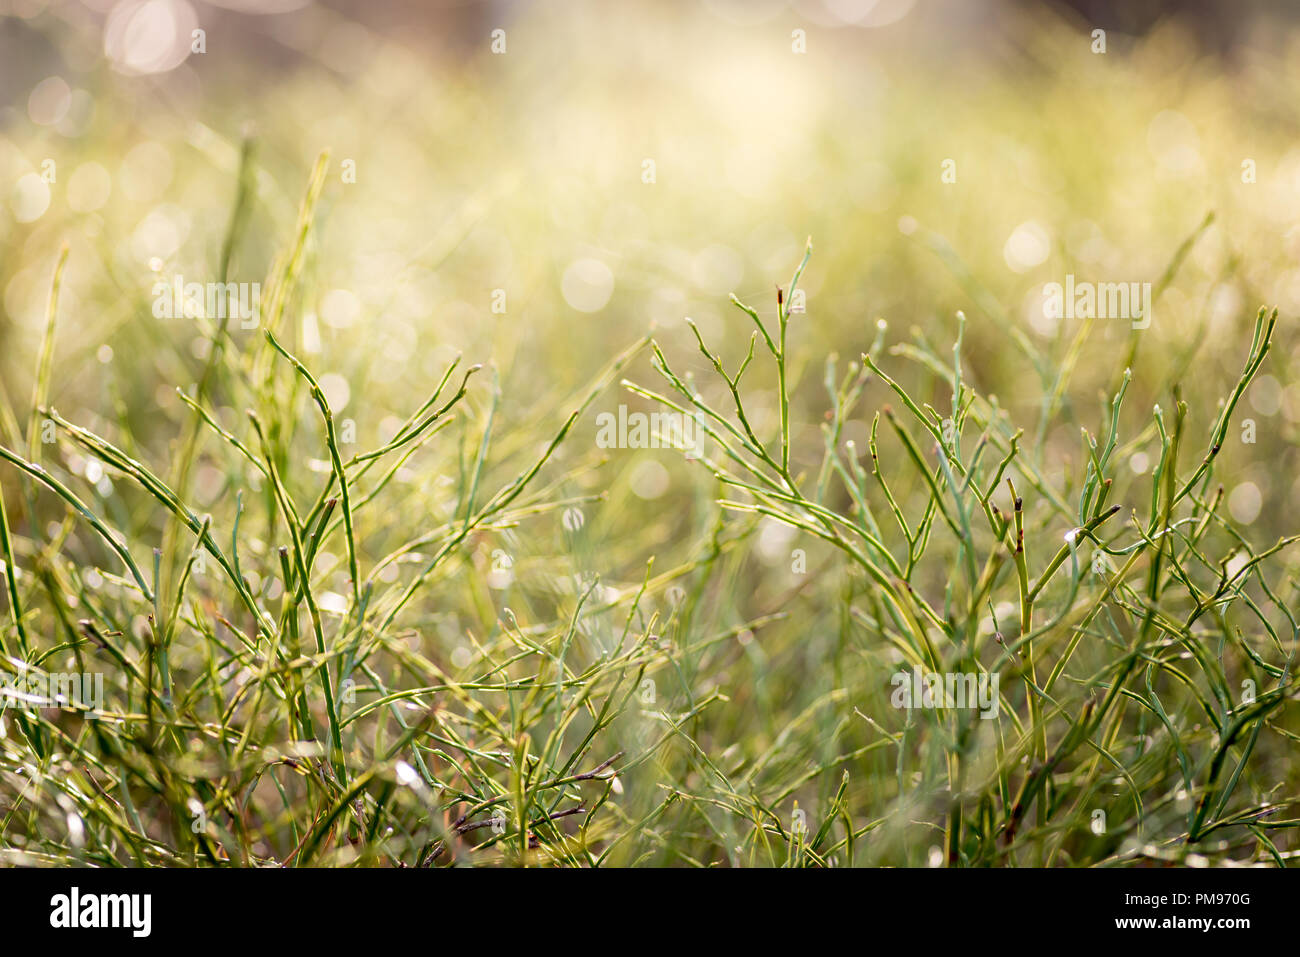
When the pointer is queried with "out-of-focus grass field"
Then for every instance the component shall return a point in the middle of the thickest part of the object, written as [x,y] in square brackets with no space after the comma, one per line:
[726,674]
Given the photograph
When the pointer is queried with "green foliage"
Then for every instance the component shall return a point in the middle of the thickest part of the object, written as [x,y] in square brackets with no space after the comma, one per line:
[430,622]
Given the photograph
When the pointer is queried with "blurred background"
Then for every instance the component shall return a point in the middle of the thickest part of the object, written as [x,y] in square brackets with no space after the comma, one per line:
[615,166]
[535,185]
